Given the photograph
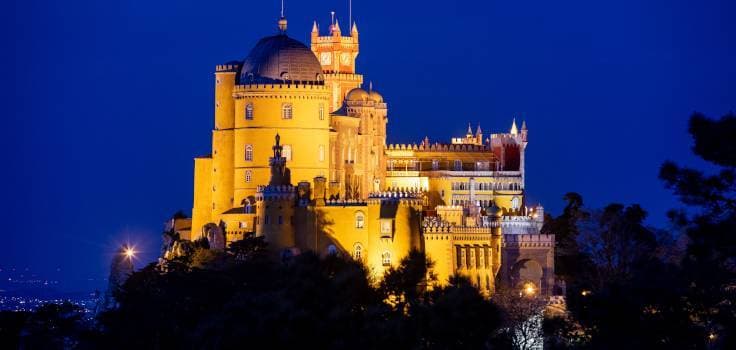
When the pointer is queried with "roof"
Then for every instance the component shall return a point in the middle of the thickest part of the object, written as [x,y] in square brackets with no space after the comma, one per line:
[280,59]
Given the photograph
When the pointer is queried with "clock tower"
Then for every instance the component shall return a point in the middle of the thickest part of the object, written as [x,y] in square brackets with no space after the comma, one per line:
[337,53]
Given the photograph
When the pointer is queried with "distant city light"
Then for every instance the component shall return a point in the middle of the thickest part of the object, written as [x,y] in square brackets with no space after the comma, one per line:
[585,292]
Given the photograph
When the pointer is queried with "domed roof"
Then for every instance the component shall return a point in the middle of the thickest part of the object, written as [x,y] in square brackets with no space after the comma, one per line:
[277,59]
[375,96]
[357,94]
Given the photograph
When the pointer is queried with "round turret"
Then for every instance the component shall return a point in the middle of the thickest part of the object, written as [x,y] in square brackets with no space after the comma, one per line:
[375,96]
[357,94]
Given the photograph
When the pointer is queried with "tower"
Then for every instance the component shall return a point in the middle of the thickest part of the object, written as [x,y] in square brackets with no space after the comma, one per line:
[337,54]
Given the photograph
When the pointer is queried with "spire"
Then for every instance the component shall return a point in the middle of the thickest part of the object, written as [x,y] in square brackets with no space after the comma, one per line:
[478,131]
[514,130]
[336,26]
[314,27]
[523,125]
[354,30]
[470,130]
[282,20]
[370,86]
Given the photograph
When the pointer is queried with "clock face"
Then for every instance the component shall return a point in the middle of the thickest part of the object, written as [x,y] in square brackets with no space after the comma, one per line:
[345,58]
[325,58]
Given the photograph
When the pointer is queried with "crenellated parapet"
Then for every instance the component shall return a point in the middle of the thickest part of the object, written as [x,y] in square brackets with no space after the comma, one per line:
[290,86]
[438,147]
[346,202]
[276,193]
[228,67]
[529,240]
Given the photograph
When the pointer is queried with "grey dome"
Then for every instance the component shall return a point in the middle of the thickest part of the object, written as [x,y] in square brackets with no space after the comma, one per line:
[278,59]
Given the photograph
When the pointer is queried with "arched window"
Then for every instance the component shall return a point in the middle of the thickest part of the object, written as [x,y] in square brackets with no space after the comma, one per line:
[386,258]
[286,111]
[248,176]
[515,203]
[321,111]
[249,111]
[331,249]
[359,220]
[248,153]
[357,251]
[286,152]
[321,153]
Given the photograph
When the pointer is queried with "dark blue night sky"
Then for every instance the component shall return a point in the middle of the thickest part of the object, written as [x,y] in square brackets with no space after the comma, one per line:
[110,100]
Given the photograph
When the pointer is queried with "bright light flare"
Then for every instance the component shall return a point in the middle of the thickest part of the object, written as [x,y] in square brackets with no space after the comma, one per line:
[129,252]
[530,289]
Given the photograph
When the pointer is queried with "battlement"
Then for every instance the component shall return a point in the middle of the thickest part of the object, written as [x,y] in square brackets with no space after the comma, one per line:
[275,193]
[345,202]
[228,67]
[438,147]
[291,86]
[343,76]
[329,39]
[506,138]
[529,240]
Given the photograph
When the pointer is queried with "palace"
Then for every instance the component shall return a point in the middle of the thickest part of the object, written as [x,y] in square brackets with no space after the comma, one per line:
[299,156]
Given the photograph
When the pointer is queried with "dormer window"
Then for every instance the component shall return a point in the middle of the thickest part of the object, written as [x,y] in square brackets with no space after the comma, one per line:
[286,111]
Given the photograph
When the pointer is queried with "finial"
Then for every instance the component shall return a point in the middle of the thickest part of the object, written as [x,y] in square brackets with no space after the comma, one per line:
[332,19]
[370,86]
[514,130]
[282,20]
[337,25]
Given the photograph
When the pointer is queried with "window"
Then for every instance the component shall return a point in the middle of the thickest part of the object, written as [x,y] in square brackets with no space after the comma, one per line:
[321,153]
[243,224]
[458,164]
[286,111]
[249,153]
[386,258]
[321,111]
[286,152]
[249,111]
[359,220]
[357,251]
[435,164]
[515,203]
[266,220]
[331,249]
[281,220]
[248,176]
[386,227]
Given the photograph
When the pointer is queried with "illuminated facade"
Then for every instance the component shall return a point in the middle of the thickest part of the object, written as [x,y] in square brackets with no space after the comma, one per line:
[299,155]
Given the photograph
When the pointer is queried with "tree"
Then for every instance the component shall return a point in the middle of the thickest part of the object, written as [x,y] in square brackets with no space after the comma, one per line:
[565,228]
[709,221]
